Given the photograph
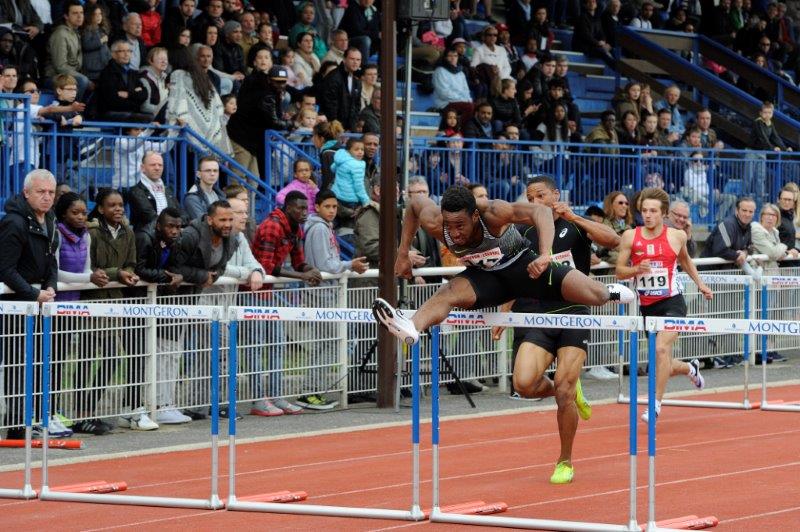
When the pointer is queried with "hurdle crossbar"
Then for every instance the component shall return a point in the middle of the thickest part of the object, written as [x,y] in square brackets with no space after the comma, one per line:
[182,312]
[766,283]
[238,314]
[29,309]
[691,324]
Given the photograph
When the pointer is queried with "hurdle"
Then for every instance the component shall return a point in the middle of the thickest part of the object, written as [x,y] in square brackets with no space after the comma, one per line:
[691,324]
[29,310]
[250,503]
[560,321]
[177,312]
[766,282]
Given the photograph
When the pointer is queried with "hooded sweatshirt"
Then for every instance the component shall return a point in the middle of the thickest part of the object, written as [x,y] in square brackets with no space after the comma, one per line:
[321,248]
[349,183]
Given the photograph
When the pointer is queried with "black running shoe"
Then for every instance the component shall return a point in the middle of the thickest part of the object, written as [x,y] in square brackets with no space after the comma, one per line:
[91,426]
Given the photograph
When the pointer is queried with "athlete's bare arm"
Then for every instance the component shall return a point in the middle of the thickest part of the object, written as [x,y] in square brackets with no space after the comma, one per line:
[420,212]
[623,270]
[688,266]
[600,234]
[498,214]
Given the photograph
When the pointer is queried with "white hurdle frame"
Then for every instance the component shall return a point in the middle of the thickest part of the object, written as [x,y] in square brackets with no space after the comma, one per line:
[30,310]
[346,315]
[557,321]
[212,313]
[766,282]
[749,347]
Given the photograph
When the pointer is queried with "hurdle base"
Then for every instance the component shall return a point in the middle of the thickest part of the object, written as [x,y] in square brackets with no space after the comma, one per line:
[471,508]
[686,522]
[779,405]
[26,493]
[278,496]
[437,516]
[235,504]
[728,405]
[131,500]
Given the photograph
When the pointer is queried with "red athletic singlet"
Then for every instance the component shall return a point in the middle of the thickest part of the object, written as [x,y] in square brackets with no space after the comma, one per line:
[661,282]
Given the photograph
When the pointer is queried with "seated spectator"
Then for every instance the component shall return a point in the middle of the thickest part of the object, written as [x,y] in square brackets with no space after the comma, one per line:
[731,239]
[529,107]
[554,129]
[628,133]
[205,190]
[177,19]
[679,217]
[371,114]
[610,21]
[619,217]
[154,81]
[504,41]
[65,111]
[212,16]
[670,102]
[231,51]
[447,166]
[489,53]
[529,57]
[369,83]
[541,75]
[119,93]
[692,139]
[264,33]
[367,232]
[150,196]
[249,37]
[507,171]
[649,134]
[520,21]
[630,100]
[339,45]
[763,135]
[721,27]
[553,96]
[481,125]
[450,123]
[787,202]
[695,183]
[450,87]
[304,123]
[64,48]
[766,238]
[16,51]
[212,40]
[94,42]
[182,41]
[644,19]
[302,182]
[229,104]
[668,136]
[72,256]
[341,91]
[589,36]
[129,150]
[505,109]
[605,133]
[708,137]
[306,25]
[306,63]
[260,58]
[361,21]
[132,35]
[21,13]
[541,29]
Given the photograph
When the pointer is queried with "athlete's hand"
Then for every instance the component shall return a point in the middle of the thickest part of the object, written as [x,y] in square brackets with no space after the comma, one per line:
[643,267]
[497,332]
[402,266]
[706,291]
[563,210]
[538,266]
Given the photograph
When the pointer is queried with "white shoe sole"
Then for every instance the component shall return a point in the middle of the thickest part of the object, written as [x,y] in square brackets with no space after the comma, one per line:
[626,295]
[394,321]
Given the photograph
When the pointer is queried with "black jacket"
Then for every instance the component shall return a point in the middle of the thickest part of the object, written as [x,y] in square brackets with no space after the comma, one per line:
[337,103]
[29,252]
[786,229]
[473,130]
[356,25]
[113,79]
[506,110]
[194,253]
[148,257]
[588,31]
[728,237]
[142,205]
[232,57]
[258,109]
[371,118]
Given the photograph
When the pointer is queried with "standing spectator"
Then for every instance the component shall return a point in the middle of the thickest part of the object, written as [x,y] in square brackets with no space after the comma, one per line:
[541,30]
[302,182]
[158,261]
[29,236]
[787,202]
[371,147]
[132,34]
[450,86]
[154,81]
[94,42]
[489,53]
[341,91]
[64,48]
[113,250]
[369,83]
[589,36]
[150,196]
[280,236]
[119,93]
[610,21]
[151,24]
[679,217]
[339,45]
[306,63]
[325,138]
[731,239]
[619,217]
[178,19]
[349,187]
[306,25]
[670,102]
[366,232]
[205,190]
[231,52]
[249,37]
[763,137]
[362,24]
[520,20]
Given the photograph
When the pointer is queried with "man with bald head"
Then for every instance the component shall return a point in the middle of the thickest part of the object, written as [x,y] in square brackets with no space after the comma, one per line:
[150,196]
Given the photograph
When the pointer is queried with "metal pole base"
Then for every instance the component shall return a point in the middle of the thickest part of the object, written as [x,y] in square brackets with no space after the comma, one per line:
[132,500]
[328,511]
[521,522]
[729,405]
[24,493]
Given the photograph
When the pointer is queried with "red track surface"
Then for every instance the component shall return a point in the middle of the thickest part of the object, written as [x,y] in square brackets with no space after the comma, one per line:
[741,466]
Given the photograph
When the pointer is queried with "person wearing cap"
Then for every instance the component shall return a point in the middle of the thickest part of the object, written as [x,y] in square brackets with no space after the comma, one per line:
[231,50]
[258,109]
[306,25]
[504,40]
[460,46]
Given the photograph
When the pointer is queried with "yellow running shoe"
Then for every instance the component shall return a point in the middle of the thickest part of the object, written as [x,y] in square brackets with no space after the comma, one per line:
[563,473]
[584,408]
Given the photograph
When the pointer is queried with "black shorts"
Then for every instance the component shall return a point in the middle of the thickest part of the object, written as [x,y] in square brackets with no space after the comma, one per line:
[496,287]
[672,307]
[551,340]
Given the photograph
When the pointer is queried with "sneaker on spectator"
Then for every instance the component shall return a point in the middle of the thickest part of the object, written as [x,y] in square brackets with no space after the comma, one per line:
[91,426]
[67,422]
[137,420]
[224,413]
[601,373]
[15,433]
[265,408]
[316,402]
[171,416]
[720,362]
[196,414]
[56,428]
[287,407]
[469,386]
[777,357]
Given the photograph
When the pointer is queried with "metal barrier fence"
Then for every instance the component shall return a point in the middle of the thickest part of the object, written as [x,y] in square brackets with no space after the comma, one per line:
[17,149]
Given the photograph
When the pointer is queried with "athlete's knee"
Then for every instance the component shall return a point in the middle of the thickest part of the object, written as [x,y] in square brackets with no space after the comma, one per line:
[525,386]
[598,292]
[565,392]
[663,351]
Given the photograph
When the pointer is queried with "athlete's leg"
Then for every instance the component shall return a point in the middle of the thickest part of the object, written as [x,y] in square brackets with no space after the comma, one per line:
[577,287]
[529,366]
[568,370]
[457,293]
[666,367]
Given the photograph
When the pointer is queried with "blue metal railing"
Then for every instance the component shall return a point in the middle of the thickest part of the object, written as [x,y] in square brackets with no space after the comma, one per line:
[15,143]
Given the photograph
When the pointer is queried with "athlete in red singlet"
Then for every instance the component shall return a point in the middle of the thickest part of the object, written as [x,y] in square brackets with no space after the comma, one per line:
[654,252]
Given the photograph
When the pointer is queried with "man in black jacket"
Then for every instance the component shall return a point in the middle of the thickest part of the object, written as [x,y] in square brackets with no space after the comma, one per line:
[30,240]
[731,240]
[787,203]
[341,91]
[119,93]
[148,197]
[177,19]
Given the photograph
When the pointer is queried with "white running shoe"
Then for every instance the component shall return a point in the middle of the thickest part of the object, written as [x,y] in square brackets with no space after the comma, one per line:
[395,322]
[265,408]
[600,373]
[646,413]
[171,416]
[697,379]
[57,429]
[138,420]
[620,293]
[287,407]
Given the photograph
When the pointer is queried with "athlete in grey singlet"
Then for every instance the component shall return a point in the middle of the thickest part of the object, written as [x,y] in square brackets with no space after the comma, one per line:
[493,252]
